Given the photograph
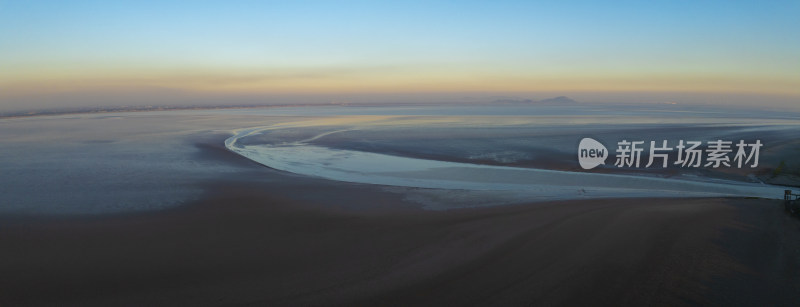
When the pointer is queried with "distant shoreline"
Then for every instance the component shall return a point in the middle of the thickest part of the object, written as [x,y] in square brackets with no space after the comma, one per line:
[150,108]
[29,113]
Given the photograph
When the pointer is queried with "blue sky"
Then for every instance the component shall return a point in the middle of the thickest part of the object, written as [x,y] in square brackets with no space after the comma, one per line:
[268,47]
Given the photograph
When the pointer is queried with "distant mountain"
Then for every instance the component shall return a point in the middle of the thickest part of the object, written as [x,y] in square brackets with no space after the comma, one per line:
[559,100]
[554,100]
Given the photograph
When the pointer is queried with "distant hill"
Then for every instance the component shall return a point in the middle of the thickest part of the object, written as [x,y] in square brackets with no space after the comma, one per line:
[554,100]
[559,100]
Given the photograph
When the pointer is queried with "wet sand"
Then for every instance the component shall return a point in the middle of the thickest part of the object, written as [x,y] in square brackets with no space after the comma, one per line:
[271,238]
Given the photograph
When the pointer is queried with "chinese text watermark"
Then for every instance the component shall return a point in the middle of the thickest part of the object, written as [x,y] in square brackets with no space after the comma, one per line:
[689,154]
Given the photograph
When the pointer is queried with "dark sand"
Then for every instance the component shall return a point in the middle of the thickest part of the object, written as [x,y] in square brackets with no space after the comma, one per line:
[297,241]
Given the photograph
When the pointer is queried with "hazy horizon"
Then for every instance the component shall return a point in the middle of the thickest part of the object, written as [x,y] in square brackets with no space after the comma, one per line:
[57,54]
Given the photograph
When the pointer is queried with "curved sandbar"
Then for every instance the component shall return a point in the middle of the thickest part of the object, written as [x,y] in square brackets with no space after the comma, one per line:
[373,168]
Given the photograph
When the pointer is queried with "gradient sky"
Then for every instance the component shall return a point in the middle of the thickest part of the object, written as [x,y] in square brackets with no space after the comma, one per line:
[79,53]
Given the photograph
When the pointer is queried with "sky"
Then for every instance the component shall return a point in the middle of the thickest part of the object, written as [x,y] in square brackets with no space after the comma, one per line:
[108,53]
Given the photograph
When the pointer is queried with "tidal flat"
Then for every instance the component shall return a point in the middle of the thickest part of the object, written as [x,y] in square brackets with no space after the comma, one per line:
[153,208]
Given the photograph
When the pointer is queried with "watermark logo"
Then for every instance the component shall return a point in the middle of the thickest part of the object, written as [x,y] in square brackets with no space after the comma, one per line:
[689,154]
[591,153]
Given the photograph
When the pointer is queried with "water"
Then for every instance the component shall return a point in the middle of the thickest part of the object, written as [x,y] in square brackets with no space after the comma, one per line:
[144,161]
[302,157]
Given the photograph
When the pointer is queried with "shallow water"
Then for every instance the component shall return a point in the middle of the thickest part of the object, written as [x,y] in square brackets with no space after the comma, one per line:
[141,161]
[302,157]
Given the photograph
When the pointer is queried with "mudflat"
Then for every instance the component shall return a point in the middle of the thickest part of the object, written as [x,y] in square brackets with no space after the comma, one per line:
[244,245]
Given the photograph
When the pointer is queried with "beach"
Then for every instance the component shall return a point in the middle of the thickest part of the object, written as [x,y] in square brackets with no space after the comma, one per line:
[248,241]
[154,209]
[248,248]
